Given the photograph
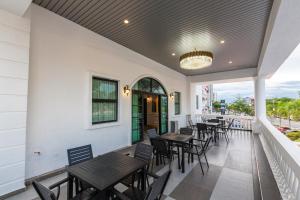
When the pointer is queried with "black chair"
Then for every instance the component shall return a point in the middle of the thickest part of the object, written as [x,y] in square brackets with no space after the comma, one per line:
[191,124]
[224,131]
[46,194]
[202,130]
[152,133]
[78,155]
[142,152]
[164,150]
[186,131]
[199,149]
[219,117]
[155,191]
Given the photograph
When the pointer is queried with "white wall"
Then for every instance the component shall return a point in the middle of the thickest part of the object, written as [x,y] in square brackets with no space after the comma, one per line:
[196,89]
[61,55]
[14,59]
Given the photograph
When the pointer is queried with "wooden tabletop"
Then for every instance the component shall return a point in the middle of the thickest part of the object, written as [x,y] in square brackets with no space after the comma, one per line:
[106,170]
[211,123]
[175,137]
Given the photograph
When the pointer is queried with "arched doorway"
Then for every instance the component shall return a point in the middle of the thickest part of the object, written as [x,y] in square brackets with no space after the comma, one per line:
[149,108]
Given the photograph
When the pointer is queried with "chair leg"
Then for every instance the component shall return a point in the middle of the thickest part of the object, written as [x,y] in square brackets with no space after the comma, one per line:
[200,164]
[206,159]
[178,158]
[157,159]
[226,137]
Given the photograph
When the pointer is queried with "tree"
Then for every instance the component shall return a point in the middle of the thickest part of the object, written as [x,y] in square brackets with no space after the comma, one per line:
[241,106]
[217,106]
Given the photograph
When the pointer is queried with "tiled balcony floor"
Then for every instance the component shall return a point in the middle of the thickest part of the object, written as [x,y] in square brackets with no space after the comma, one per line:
[230,176]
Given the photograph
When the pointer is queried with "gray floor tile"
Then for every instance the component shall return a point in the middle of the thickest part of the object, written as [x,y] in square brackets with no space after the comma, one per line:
[239,160]
[233,185]
[196,185]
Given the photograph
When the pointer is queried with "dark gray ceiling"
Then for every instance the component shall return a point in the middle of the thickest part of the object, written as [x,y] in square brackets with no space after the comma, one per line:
[158,28]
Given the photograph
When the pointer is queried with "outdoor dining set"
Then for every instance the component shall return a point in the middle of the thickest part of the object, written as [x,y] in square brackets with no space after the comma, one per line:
[92,177]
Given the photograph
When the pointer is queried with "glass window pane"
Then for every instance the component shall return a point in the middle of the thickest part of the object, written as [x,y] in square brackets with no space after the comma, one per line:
[157,88]
[104,111]
[143,85]
[104,89]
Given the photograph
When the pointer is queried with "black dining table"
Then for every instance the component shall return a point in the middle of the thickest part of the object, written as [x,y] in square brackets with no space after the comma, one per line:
[105,171]
[181,140]
[213,126]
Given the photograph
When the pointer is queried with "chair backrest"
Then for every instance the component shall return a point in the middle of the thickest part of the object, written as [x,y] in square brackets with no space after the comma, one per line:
[201,129]
[43,192]
[219,117]
[190,123]
[230,123]
[152,133]
[160,146]
[174,126]
[186,131]
[157,188]
[205,146]
[143,152]
[80,154]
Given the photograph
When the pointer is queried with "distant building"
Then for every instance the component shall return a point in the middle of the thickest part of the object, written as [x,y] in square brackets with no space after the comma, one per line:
[249,100]
[204,99]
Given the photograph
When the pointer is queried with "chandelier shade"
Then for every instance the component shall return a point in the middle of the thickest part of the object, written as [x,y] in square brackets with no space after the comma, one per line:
[196,60]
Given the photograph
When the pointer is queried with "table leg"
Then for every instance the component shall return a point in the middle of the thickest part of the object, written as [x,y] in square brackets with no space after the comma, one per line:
[70,187]
[215,130]
[178,150]
[143,185]
[192,155]
[182,159]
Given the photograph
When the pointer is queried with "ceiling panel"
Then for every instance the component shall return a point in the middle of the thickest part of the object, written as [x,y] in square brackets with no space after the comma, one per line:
[159,28]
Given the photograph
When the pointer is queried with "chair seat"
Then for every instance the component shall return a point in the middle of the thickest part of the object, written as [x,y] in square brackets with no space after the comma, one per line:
[193,150]
[135,194]
[127,181]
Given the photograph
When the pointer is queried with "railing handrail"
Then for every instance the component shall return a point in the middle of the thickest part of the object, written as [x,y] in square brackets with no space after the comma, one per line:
[227,116]
[290,150]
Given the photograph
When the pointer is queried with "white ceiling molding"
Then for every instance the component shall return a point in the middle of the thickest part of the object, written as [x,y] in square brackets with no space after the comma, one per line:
[227,76]
[282,36]
[17,7]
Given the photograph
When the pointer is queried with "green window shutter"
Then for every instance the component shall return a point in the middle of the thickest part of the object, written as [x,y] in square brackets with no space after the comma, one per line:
[177,103]
[104,100]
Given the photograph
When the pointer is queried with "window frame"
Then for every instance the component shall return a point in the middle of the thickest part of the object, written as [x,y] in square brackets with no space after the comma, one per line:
[177,103]
[116,101]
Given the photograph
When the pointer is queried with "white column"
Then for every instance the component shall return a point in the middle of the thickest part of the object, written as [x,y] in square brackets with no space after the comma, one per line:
[260,98]
[14,66]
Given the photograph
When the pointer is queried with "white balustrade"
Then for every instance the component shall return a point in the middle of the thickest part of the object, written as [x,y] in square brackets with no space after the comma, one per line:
[284,158]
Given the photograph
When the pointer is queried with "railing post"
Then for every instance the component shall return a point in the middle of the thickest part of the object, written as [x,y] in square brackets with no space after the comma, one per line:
[260,101]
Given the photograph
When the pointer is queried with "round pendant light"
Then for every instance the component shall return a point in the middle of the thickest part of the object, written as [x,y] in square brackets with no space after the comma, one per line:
[196,60]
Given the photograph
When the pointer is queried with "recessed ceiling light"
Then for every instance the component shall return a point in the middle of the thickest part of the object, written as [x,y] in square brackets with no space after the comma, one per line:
[126,21]
[222,41]
[173,54]
[230,62]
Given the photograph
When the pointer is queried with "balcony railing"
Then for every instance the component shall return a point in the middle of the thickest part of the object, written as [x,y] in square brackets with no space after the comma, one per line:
[240,122]
[284,159]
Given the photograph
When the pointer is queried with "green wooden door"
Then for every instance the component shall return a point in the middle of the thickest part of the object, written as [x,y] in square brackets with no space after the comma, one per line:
[163,100]
[137,117]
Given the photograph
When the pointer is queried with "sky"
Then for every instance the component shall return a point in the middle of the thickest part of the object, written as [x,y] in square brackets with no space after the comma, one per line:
[284,83]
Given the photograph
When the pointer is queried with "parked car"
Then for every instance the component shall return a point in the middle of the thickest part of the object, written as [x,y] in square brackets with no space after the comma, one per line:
[283,129]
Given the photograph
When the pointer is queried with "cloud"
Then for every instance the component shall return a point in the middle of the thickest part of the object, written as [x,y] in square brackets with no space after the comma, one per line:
[229,91]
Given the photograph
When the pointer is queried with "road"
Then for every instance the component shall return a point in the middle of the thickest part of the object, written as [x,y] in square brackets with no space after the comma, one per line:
[284,122]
